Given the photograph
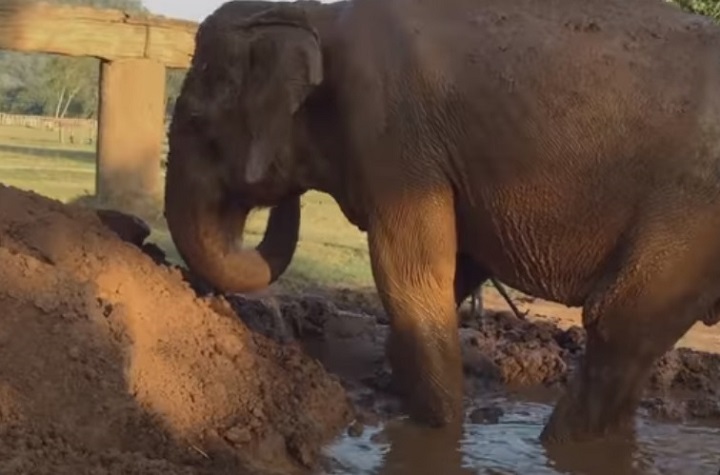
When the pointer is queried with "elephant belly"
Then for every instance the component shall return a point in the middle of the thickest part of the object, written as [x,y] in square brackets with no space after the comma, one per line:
[542,252]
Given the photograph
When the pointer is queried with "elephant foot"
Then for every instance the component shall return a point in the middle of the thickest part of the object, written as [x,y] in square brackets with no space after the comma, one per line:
[432,391]
[627,331]
[577,419]
[602,398]
[435,406]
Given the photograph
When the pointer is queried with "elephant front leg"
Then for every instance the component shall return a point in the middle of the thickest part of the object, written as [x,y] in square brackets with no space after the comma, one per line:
[413,252]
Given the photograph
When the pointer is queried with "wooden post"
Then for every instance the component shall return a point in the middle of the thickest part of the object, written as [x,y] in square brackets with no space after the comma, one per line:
[131,128]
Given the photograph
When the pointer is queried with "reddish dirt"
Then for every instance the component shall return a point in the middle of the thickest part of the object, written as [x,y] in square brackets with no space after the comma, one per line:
[112,361]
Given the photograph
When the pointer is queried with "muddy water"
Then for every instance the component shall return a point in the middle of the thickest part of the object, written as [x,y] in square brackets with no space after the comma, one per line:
[511,446]
[500,352]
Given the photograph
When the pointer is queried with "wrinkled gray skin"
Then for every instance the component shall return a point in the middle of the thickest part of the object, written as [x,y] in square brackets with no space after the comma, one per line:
[570,149]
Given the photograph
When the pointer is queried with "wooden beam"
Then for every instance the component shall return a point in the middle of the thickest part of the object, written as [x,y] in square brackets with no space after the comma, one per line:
[104,34]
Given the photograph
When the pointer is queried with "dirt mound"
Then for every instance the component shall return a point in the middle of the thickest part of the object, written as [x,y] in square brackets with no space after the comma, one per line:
[110,363]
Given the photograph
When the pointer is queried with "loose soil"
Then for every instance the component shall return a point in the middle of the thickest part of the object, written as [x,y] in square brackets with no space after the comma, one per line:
[113,361]
[110,363]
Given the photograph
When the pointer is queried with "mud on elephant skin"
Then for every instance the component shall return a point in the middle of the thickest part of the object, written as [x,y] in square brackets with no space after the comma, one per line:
[441,129]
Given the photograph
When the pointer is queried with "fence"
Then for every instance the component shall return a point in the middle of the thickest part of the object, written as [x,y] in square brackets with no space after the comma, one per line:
[70,130]
[46,122]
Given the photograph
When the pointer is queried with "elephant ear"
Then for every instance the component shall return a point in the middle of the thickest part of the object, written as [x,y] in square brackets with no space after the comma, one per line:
[284,66]
[285,48]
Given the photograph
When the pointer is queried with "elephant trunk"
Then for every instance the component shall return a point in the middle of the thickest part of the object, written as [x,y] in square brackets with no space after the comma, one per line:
[205,232]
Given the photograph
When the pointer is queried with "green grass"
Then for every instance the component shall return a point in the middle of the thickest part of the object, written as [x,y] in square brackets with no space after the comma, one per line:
[331,252]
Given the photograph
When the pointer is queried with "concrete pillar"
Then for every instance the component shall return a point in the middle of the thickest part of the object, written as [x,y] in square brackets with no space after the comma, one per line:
[131,128]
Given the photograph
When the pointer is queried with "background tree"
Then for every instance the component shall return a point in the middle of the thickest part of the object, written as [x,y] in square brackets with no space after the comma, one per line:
[709,8]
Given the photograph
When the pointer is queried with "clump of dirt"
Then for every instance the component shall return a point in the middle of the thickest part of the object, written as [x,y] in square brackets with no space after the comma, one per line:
[520,352]
[149,209]
[685,385]
[110,363]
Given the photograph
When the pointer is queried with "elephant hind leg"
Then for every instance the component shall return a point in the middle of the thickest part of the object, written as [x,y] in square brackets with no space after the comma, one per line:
[469,277]
[631,320]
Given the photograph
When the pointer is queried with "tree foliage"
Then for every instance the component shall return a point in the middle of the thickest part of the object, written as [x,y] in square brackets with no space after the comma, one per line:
[710,8]
[60,86]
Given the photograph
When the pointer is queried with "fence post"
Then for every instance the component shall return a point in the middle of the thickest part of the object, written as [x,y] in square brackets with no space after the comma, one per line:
[131,128]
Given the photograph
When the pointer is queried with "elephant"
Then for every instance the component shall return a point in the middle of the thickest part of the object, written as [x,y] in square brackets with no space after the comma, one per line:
[569,149]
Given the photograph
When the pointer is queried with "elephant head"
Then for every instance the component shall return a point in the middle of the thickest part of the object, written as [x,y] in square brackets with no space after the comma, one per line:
[233,143]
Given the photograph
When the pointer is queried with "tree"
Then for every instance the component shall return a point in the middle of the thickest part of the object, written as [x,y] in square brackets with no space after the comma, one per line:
[21,86]
[68,84]
[710,8]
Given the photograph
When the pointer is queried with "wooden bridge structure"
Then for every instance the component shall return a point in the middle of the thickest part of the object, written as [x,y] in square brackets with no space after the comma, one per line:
[134,52]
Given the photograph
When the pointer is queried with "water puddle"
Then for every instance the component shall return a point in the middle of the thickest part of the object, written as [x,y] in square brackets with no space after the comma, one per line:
[512,447]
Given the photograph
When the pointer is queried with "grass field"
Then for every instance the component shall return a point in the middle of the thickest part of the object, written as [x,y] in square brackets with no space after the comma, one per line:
[330,252]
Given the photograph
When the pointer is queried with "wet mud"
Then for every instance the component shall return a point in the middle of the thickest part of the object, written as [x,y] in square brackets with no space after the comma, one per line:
[501,354]
[113,361]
